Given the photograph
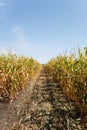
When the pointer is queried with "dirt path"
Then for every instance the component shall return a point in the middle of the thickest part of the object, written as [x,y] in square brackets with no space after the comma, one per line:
[41,106]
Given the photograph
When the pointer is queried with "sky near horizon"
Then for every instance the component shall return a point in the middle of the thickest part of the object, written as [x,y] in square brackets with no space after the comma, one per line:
[42,28]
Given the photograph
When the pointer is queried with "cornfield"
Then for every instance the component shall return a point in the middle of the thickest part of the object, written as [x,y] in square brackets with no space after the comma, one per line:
[14,72]
[70,72]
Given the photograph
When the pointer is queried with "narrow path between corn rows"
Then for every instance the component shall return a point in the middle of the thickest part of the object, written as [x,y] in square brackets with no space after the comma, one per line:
[45,108]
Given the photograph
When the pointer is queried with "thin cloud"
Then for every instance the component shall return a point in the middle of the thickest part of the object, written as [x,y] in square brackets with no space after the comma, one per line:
[4,3]
[20,44]
[21,40]
[19,36]
[4,6]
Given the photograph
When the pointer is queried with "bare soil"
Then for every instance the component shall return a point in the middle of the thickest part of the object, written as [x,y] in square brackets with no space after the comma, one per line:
[41,106]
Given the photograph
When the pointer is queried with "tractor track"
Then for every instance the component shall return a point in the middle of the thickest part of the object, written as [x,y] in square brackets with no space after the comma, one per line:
[41,106]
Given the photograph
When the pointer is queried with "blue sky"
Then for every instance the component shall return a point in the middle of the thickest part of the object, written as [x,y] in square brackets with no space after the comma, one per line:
[42,28]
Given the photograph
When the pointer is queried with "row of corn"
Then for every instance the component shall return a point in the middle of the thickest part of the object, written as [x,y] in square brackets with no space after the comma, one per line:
[14,72]
[70,71]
